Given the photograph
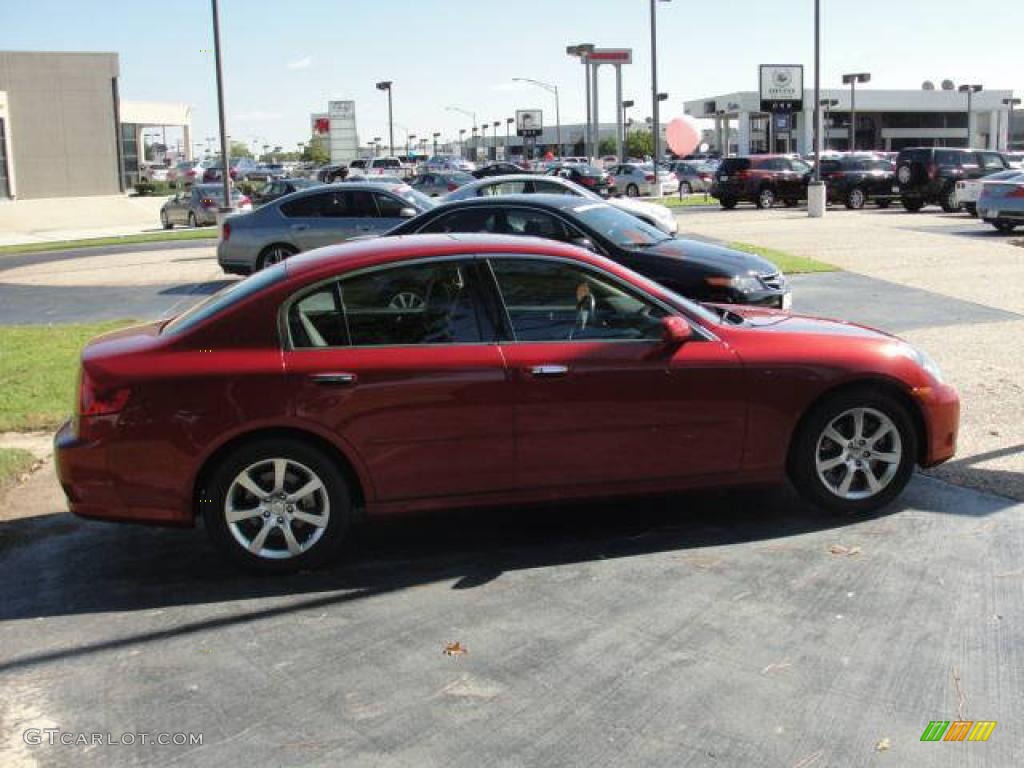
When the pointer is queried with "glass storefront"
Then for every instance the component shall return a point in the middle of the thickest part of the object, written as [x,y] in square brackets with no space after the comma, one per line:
[130,153]
[5,187]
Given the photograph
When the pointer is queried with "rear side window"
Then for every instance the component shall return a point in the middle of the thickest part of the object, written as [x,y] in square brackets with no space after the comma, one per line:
[992,161]
[390,207]
[948,157]
[734,164]
[228,297]
[428,303]
[303,207]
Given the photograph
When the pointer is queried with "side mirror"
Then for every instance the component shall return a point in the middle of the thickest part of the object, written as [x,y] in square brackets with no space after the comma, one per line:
[675,331]
[584,242]
[407,213]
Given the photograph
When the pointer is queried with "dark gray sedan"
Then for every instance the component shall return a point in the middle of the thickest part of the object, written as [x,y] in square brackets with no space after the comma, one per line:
[440,183]
[313,218]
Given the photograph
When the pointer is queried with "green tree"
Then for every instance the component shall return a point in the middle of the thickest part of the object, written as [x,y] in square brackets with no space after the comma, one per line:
[316,151]
[607,146]
[240,149]
[640,144]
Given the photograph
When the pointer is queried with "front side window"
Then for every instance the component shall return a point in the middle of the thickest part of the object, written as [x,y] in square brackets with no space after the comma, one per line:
[554,301]
[428,303]
[991,161]
[389,207]
[523,221]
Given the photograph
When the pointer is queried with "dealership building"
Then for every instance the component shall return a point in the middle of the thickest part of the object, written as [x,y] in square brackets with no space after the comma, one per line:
[886,120]
[64,130]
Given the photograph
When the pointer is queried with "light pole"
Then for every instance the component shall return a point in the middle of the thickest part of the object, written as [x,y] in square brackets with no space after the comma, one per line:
[970,90]
[385,85]
[225,157]
[409,139]
[852,80]
[483,139]
[828,104]
[1011,103]
[550,88]
[462,147]
[583,51]
[655,96]
[376,146]
[508,129]
[626,104]
[476,145]
[436,134]
[816,198]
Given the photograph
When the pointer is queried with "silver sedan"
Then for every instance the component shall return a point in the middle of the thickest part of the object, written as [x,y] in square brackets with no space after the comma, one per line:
[197,205]
[518,184]
[635,179]
[313,218]
[439,183]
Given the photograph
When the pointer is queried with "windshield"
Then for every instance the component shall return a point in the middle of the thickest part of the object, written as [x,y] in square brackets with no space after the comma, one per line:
[623,229]
[420,201]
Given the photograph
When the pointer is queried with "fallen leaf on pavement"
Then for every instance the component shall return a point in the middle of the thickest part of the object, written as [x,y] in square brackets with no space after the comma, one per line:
[455,649]
[775,666]
[883,745]
[844,551]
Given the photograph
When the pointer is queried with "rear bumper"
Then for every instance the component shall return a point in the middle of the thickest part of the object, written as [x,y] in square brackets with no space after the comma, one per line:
[940,407]
[91,484]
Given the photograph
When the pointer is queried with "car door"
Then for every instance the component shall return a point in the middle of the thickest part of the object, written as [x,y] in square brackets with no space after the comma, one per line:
[401,363]
[599,398]
[388,209]
[304,217]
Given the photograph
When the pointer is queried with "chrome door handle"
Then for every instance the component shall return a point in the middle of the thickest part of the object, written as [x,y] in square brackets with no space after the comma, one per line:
[342,379]
[549,371]
[300,227]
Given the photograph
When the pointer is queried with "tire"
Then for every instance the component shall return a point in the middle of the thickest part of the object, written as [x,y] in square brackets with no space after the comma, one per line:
[855,199]
[685,188]
[164,221]
[274,254]
[728,202]
[765,198]
[883,204]
[632,191]
[192,222]
[949,203]
[912,204]
[317,520]
[819,465]
[1005,227]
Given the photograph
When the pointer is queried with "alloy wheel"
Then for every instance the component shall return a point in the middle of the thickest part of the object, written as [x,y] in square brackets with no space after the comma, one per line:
[277,508]
[856,198]
[406,300]
[858,454]
[766,198]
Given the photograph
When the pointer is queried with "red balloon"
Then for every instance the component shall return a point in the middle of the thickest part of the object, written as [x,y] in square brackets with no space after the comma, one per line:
[682,135]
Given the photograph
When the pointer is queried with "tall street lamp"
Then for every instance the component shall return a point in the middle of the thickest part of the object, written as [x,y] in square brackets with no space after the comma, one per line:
[626,104]
[852,80]
[550,88]
[483,140]
[827,105]
[970,90]
[436,134]
[816,197]
[462,148]
[376,146]
[225,156]
[508,129]
[409,139]
[655,129]
[385,85]
[1011,103]
[583,51]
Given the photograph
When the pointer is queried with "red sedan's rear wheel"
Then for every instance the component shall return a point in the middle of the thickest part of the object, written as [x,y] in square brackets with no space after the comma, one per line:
[277,505]
[855,452]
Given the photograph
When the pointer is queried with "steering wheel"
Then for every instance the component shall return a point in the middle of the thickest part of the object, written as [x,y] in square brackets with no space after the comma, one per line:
[586,309]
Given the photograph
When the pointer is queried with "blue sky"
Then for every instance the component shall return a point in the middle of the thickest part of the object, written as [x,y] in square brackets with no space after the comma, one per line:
[284,60]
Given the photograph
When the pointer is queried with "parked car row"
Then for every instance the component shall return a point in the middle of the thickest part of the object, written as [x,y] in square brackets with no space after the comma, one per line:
[918,176]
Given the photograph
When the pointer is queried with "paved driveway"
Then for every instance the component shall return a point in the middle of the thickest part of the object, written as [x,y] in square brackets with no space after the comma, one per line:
[699,630]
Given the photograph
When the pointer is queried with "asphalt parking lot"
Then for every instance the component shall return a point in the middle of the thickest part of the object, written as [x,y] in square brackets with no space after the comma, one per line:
[700,629]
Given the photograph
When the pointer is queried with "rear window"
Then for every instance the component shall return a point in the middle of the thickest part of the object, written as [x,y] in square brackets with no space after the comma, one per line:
[733,164]
[914,155]
[221,300]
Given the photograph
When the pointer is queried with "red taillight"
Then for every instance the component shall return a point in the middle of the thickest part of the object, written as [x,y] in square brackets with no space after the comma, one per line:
[1017,192]
[93,401]
[741,175]
[452,186]
[245,200]
[588,180]
[649,177]
[705,177]
[225,231]
[933,170]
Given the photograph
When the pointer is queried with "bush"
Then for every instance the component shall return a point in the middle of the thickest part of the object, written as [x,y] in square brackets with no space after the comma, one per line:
[249,188]
[145,188]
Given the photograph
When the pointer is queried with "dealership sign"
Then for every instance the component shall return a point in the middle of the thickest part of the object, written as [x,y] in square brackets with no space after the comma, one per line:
[529,122]
[782,87]
[611,56]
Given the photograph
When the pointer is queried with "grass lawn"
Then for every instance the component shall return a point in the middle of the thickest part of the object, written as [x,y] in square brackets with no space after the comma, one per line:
[38,372]
[686,202]
[13,461]
[787,262]
[202,233]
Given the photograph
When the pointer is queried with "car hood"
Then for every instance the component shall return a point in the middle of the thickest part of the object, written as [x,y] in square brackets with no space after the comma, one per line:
[637,206]
[778,321]
[710,255]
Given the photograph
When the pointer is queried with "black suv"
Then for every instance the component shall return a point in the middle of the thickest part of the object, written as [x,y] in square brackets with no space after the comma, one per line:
[761,179]
[857,179]
[929,174]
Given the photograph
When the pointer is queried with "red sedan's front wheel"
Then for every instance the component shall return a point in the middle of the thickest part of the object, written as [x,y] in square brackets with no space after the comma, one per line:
[855,452]
[277,505]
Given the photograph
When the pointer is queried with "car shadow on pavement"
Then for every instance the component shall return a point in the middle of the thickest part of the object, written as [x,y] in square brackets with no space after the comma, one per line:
[59,565]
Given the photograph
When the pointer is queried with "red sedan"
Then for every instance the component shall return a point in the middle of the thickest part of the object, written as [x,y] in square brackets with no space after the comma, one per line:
[433,371]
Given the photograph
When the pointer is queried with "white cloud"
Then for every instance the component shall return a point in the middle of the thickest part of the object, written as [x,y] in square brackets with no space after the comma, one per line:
[301,63]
